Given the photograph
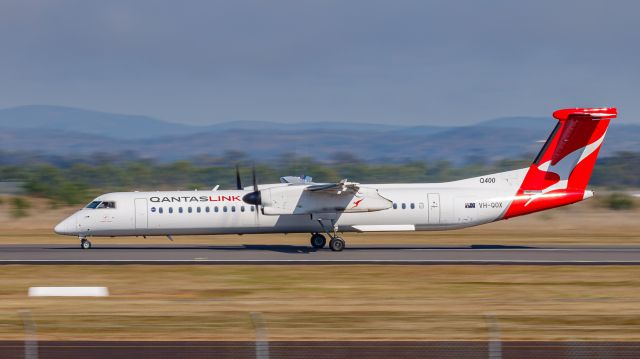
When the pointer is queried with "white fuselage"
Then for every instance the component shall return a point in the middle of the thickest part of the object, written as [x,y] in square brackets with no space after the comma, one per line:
[415,207]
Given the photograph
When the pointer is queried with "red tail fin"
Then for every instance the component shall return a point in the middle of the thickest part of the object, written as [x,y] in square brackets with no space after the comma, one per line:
[560,173]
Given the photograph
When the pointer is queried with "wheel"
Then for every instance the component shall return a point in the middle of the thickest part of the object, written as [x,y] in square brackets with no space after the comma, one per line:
[336,244]
[85,244]
[318,241]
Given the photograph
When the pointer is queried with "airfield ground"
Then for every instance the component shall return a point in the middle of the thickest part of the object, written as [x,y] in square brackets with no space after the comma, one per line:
[356,302]
[365,302]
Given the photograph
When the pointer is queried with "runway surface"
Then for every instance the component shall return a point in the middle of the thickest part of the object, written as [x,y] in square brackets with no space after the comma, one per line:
[288,254]
[323,350]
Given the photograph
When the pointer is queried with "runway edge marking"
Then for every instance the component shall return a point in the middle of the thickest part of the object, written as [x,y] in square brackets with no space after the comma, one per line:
[314,262]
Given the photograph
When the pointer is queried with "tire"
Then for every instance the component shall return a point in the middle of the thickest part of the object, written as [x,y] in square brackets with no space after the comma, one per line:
[318,241]
[336,244]
[85,244]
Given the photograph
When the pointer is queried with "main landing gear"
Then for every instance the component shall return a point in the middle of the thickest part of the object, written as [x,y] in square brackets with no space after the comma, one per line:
[336,243]
[318,241]
[85,244]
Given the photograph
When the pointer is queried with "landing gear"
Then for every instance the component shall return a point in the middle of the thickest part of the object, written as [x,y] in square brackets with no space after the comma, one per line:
[336,244]
[318,241]
[85,244]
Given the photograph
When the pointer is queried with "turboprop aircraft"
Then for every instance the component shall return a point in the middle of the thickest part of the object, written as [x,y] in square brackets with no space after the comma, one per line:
[558,176]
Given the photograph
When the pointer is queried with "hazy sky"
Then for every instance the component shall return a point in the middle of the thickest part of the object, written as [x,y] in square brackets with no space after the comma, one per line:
[412,62]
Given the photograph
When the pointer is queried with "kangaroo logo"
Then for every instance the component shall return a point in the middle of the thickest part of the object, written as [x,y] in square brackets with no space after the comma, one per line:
[564,167]
[357,203]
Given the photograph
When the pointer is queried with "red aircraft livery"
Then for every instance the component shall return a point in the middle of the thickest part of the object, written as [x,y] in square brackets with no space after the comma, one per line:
[218,198]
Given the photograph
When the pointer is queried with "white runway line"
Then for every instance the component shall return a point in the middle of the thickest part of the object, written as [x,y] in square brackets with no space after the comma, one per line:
[68,292]
[305,261]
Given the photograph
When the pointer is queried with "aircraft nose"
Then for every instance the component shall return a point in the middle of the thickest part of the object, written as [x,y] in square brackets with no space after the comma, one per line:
[67,226]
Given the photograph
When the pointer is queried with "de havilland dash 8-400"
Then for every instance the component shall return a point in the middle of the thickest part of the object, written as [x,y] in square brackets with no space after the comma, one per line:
[558,176]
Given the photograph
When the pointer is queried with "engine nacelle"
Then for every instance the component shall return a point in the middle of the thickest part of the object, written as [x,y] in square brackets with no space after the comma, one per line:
[297,200]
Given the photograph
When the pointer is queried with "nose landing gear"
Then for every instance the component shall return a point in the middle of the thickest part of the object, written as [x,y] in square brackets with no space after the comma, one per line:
[85,244]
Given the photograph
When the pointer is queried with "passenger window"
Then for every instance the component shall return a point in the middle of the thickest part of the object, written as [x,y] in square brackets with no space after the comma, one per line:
[206,209]
[233,208]
[180,209]
[224,209]
[241,208]
[189,210]
[395,206]
[413,206]
[160,210]
[198,210]
[216,209]
[251,208]
[170,209]
[404,206]
[153,209]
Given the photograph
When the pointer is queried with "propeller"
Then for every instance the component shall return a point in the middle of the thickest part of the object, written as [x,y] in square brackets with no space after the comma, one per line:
[238,181]
[254,198]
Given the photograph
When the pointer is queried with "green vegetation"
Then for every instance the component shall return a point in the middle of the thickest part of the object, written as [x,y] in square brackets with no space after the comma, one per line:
[20,207]
[77,182]
[618,201]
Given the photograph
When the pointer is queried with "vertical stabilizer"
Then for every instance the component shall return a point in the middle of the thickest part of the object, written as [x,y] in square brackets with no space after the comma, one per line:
[560,173]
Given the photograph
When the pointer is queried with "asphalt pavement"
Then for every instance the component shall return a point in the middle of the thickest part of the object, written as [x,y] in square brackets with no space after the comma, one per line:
[291,254]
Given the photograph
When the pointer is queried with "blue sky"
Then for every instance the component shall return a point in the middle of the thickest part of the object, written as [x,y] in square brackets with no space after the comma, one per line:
[408,62]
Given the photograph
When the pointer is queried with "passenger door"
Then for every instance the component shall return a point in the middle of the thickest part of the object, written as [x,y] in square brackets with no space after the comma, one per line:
[434,208]
[141,213]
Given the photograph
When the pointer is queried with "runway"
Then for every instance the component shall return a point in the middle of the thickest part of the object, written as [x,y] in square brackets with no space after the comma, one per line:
[324,350]
[302,255]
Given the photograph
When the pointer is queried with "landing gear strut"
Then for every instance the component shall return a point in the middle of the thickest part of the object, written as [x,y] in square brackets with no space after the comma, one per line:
[336,243]
[318,240]
[84,243]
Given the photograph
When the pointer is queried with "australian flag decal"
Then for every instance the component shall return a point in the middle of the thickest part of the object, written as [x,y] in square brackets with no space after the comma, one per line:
[470,205]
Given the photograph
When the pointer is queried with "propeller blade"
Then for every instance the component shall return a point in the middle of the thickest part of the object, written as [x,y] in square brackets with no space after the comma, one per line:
[255,182]
[238,182]
[258,199]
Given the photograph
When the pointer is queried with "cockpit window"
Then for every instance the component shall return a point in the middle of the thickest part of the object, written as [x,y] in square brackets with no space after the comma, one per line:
[107,204]
[93,204]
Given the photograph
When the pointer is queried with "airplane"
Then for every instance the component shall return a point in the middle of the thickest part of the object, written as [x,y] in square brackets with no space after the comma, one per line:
[558,176]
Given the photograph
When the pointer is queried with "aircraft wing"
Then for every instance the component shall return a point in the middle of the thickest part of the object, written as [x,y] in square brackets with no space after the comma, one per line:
[342,187]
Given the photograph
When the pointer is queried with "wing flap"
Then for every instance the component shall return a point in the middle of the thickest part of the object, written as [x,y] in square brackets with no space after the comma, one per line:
[342,187]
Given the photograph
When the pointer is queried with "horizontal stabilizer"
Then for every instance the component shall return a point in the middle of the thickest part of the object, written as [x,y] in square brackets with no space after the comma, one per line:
[590,113]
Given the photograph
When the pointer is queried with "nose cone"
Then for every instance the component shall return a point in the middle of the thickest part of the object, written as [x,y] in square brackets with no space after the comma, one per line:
[67,227]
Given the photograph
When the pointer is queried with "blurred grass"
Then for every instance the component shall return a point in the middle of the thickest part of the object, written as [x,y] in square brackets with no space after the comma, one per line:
[20,207]
[618,201]
[360,302]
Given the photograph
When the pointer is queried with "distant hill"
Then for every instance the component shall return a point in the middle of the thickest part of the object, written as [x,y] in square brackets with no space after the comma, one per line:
[67,119]
[63,131]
